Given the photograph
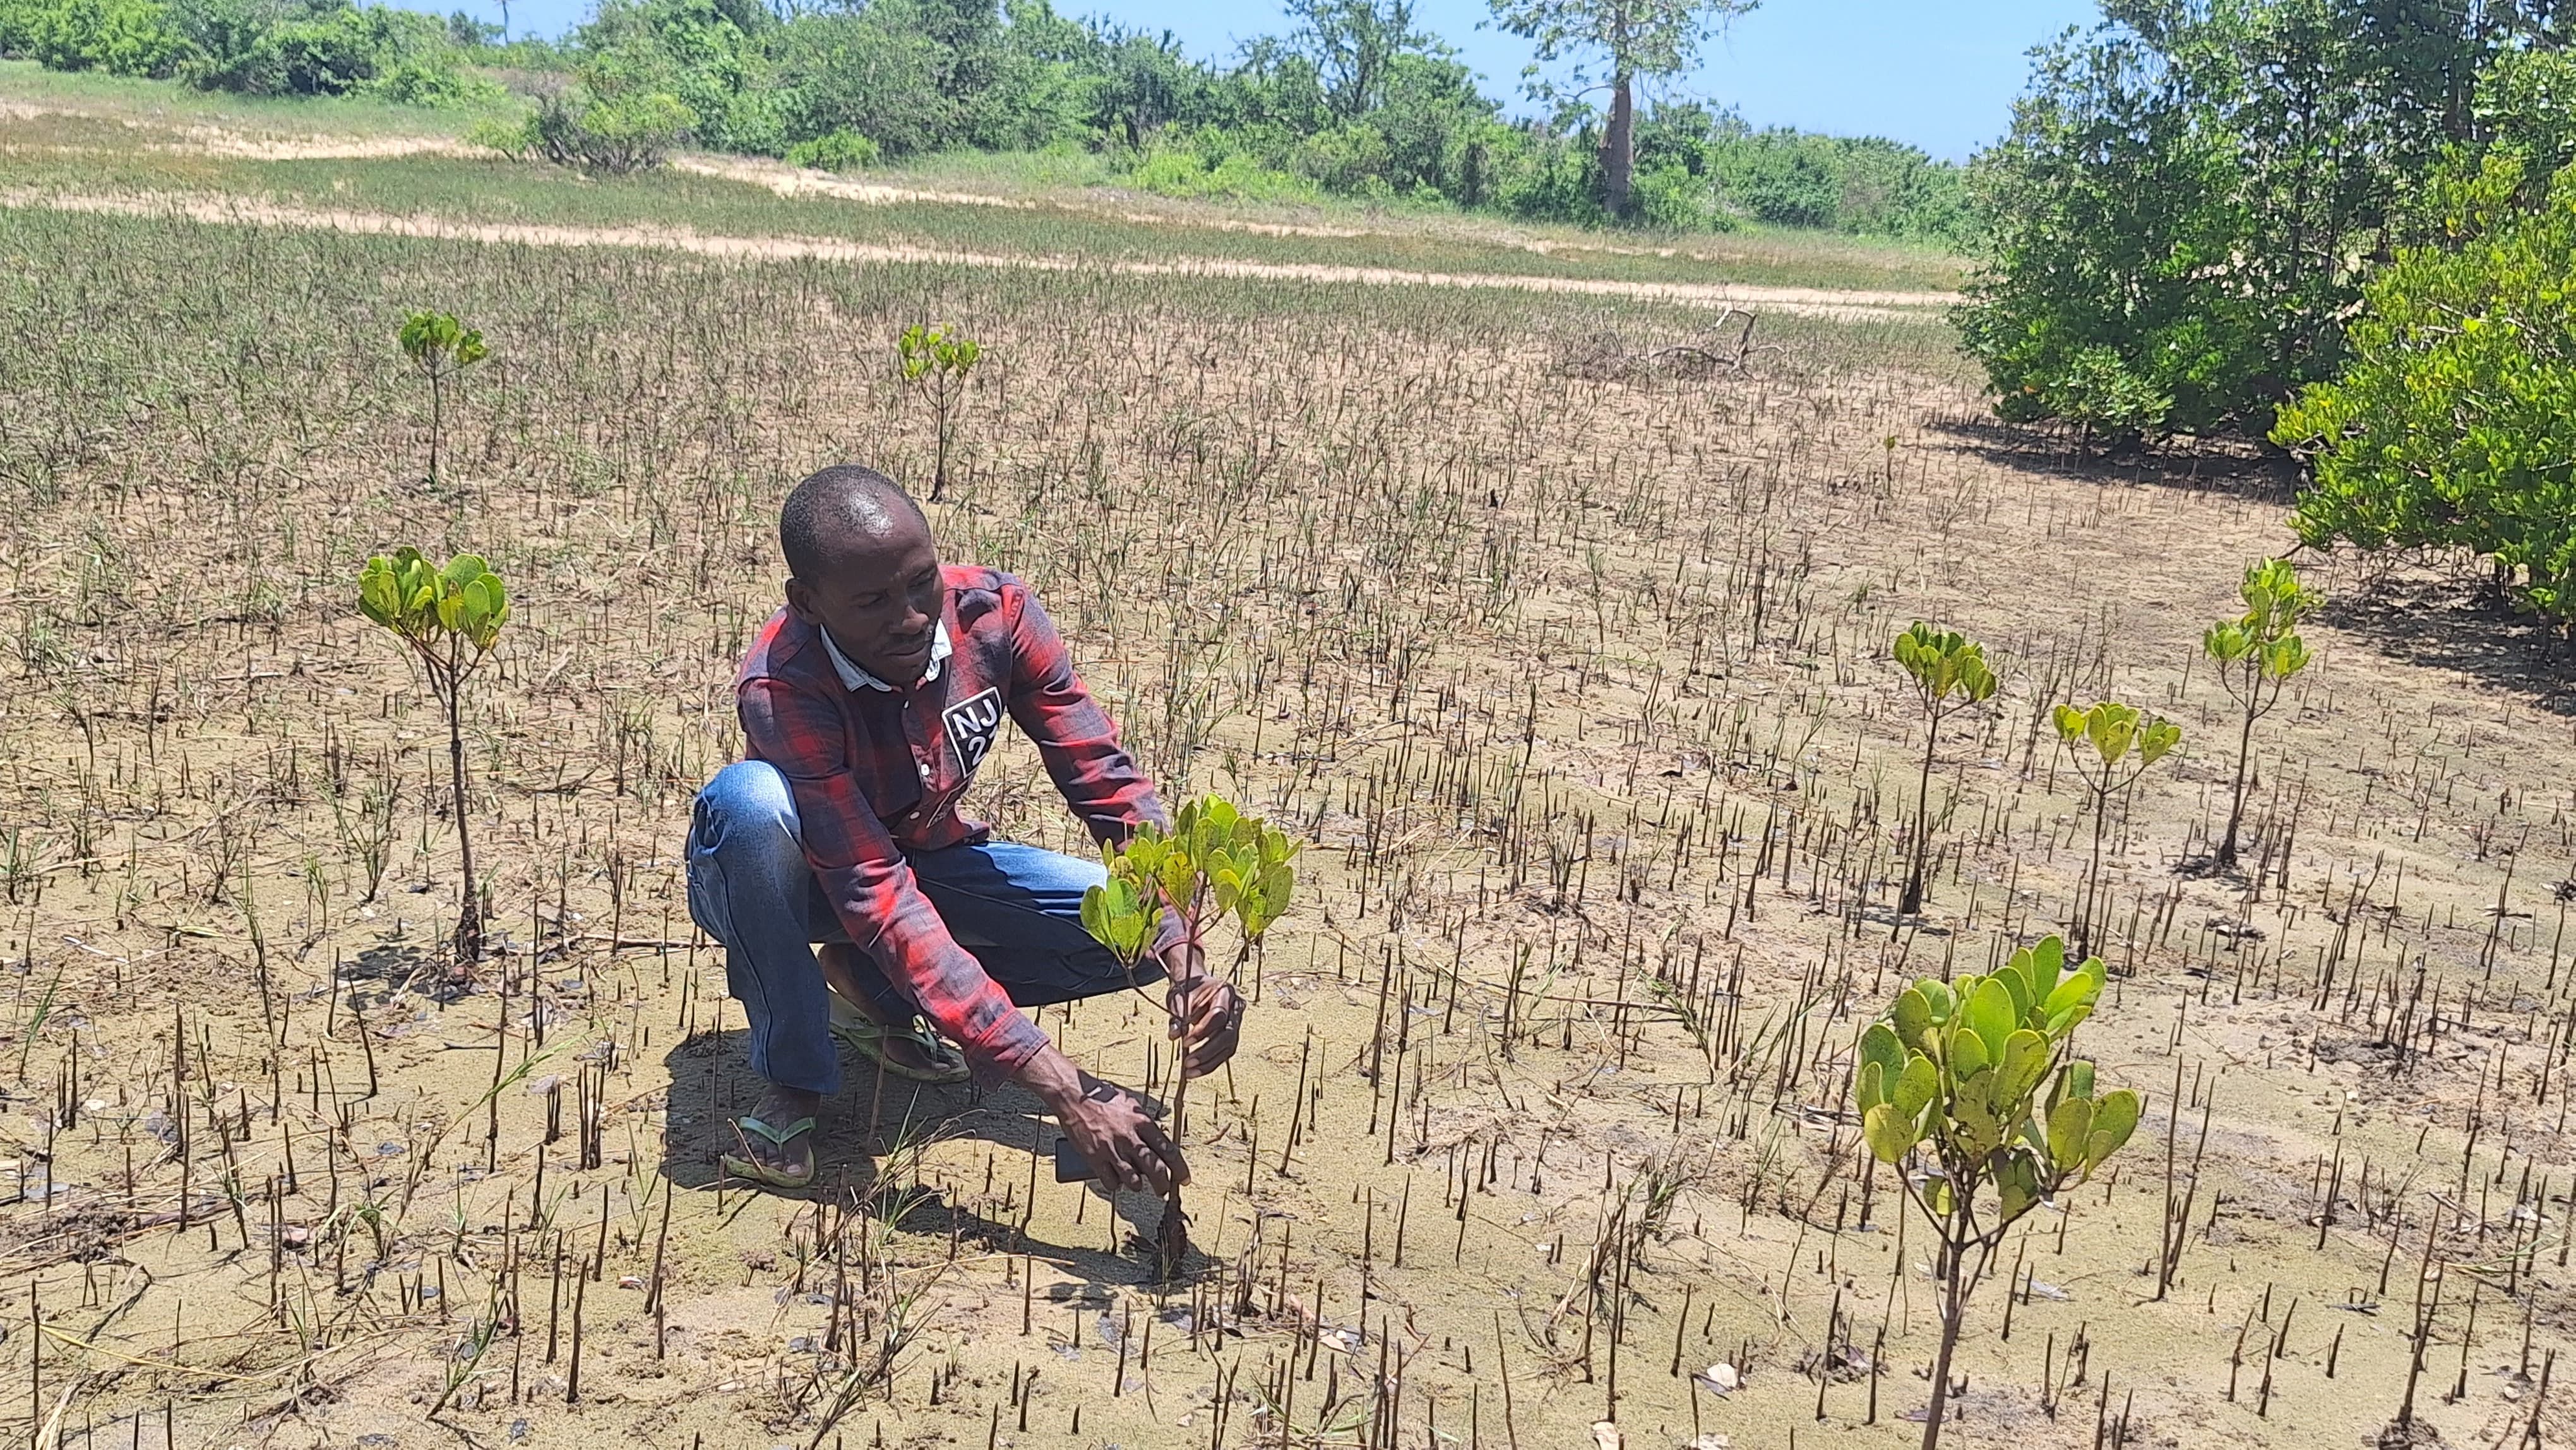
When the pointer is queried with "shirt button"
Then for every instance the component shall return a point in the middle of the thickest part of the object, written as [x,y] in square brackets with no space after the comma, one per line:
[925,768]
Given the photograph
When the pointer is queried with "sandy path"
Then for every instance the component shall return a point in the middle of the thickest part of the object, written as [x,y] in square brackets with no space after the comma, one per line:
[1799,301]
[794,181]
[219,141]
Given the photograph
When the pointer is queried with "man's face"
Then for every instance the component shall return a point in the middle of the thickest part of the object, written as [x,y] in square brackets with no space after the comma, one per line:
[880,598]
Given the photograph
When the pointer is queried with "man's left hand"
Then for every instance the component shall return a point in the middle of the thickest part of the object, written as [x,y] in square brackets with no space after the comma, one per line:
[1207,1013]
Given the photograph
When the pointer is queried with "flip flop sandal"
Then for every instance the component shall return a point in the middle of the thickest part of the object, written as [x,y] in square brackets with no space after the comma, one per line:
[947,1064]
[743,1165]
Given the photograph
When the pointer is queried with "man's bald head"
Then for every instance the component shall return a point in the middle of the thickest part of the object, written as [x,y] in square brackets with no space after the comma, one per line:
[841,512]
[864,568]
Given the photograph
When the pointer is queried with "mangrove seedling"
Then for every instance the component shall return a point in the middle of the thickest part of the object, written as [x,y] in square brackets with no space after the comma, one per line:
[936,364]
[451,617]
[441,347]
[1215,864]
[1949,673]
[2256,654]
[2113,745]
[1949,1090]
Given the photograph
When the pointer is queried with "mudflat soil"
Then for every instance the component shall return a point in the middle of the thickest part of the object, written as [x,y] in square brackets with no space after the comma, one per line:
[1566,655]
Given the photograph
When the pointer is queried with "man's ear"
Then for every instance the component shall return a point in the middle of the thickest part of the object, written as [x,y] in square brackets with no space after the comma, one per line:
[800,601]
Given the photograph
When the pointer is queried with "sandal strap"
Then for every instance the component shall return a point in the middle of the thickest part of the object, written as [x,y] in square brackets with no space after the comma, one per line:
[777,1136]
[865,1034]
[915,1031]
[921,1034]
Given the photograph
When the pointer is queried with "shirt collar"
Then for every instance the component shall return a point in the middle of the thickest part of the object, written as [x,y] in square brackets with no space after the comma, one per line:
[855,678]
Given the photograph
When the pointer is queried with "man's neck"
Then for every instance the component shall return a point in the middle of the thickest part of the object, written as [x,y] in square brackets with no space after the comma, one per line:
[856,676]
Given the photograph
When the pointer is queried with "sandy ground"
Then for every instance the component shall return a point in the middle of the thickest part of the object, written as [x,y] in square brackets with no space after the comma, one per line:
[1577,689]
[225,141]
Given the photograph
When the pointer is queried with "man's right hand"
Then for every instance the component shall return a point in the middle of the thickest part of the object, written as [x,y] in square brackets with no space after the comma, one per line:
[1108,1126]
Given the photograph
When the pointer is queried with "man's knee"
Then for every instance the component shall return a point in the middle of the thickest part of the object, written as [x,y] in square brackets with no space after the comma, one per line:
[744,832]
[747,807]
[744,854]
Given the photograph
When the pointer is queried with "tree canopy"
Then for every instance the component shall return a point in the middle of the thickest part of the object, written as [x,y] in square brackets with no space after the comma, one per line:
[2193,192]
[1628,41]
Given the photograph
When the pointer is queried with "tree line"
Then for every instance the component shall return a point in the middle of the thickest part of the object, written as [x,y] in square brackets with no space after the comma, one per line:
[260,47]
[1355,98]
[2343,227]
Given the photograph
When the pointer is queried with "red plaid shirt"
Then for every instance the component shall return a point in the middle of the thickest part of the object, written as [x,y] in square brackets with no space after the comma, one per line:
[879,772]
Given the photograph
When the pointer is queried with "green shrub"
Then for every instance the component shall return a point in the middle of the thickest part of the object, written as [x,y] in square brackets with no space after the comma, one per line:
[428,83]
[321,48]
[615,130]
[836,151]
[1782,177]
[1232,176]
[1550,178]
[1671,198]
[514,139]
[2454,423]
[230,47]
[2192,196]
[2101,300]
[331,53]
[1894,190]
[120,37]
[17,28]
[705,55]
[1785,177]
[857,73]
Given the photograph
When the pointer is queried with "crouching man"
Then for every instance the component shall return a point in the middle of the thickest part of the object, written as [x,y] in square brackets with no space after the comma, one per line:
[866,705]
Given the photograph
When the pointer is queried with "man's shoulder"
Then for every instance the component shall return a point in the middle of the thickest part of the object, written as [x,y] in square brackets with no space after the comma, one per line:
[787,649]
[984,596]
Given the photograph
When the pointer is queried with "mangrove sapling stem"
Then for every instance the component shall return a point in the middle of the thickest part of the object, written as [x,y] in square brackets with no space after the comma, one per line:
[1948,672]
[1951,1078]
[440,347]
[1213,854]
[469,908]
[2236,788]
[2119,742]
[1954,1314]
[2256,655]
[2088,908]
[1913,899]
[450,616]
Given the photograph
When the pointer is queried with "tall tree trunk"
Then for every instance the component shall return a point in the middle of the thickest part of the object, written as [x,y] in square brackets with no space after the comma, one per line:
[1619,147]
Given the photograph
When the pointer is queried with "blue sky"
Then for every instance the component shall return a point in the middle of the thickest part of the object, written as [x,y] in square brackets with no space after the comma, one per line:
[1939,74]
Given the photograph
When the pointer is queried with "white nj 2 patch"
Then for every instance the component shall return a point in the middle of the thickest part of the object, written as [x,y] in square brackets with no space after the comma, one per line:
[972,725]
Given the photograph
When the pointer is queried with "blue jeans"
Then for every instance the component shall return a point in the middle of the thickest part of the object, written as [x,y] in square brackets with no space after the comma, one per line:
[1017,909]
